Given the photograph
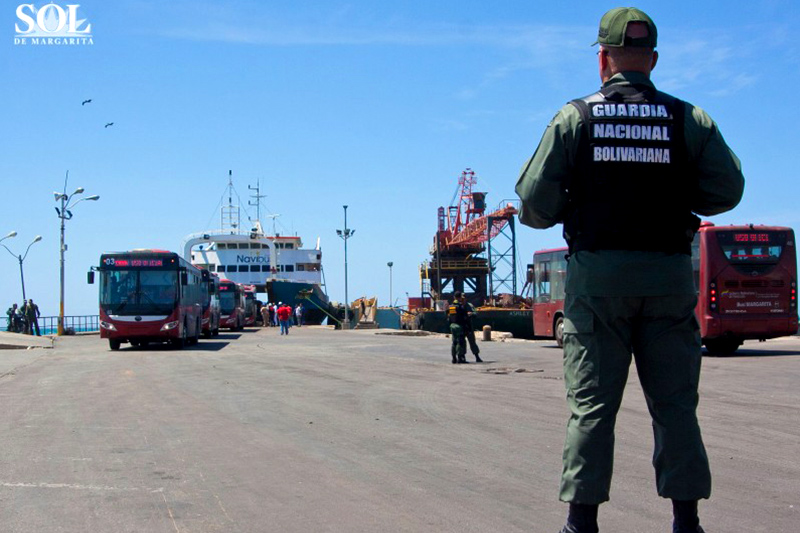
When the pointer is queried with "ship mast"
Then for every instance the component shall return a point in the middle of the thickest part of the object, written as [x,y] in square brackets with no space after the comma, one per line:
[230,214]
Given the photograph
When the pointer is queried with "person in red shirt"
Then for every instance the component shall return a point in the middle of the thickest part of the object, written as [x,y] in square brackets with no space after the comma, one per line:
[284,315]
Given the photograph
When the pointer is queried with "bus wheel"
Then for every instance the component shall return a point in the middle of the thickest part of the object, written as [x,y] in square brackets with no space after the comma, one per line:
[135,344]
[114,344]
[558,331]
[723,346]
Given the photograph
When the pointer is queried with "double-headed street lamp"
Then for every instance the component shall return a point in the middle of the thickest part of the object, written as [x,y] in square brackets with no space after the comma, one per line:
[345,234]
[65,214]
[20,258]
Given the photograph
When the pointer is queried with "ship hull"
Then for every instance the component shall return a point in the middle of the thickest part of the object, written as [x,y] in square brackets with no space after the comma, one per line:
[314,300]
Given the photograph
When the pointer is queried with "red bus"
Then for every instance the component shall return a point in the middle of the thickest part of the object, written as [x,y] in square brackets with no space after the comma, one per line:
[250,306]
[149,296]
[549,280]
[746,278]
[231,304]
[211,309]
[747,284]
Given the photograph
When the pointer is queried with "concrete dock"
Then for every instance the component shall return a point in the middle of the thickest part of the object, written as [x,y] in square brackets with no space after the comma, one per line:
[331,431]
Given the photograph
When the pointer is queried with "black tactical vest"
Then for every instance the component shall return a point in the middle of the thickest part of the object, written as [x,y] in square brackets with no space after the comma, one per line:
[633,186]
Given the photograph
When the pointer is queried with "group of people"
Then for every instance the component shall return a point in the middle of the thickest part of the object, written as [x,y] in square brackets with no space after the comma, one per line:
[462,330]
[283,315]
[24,319]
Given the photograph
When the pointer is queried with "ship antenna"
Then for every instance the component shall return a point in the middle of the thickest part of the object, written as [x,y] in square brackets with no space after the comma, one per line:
[258,196]
[230,215]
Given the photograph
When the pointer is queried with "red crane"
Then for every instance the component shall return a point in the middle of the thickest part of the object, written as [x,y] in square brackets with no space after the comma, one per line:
[466,225]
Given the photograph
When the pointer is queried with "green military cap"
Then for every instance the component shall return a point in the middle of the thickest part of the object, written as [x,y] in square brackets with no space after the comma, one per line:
[614,25]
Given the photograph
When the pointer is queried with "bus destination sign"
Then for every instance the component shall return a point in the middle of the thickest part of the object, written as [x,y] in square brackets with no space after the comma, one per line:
[114,262]
[751,237]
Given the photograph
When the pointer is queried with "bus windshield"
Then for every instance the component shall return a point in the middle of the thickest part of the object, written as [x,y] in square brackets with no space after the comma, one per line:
[750,248]
[227,302]
[137,292]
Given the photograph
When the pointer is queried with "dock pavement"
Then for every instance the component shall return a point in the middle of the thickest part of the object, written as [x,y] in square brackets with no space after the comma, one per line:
[360,431]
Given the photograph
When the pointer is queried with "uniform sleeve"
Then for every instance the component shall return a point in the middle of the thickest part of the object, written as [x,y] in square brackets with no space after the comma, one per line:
[542,183]
[719,171]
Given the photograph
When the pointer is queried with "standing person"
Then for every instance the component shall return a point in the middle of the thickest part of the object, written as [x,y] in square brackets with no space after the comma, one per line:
[457,315]
[284,315]
[469,331]
[298,314]
[624,170]
[12,318]
[265,321]
[26,325]
[32,316]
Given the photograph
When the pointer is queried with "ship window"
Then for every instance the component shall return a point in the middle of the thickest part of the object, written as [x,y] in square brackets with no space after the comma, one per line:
[243,268]
[221,268]
[212,268]
[242,245]
[255,268]
[288,268]
[289,245]
[300,268]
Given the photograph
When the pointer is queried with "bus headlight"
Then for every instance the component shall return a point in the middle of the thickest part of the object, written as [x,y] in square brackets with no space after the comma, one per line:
[170,325]
[108,326]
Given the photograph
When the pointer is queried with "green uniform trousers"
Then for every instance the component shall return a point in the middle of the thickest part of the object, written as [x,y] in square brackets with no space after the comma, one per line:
[458,347]
[600,334]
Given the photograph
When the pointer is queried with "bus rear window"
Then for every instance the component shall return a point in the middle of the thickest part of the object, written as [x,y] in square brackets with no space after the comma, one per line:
[752,247]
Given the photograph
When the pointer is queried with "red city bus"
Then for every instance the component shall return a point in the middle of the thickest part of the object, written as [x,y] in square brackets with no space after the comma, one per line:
[549,280]
[747,284]
[149,296]
[231,303]
[250,307]
[211,309]
[746,278]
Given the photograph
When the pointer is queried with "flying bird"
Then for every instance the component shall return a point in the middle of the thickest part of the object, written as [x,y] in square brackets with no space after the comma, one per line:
[109,124]
[89,101]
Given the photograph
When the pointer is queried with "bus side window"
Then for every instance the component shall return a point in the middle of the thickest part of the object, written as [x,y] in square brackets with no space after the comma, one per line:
[542,286]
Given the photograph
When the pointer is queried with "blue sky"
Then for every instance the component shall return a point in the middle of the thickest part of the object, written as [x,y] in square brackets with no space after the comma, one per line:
[374,104]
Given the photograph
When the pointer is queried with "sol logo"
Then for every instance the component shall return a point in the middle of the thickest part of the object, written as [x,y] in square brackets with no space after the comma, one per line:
[51,24]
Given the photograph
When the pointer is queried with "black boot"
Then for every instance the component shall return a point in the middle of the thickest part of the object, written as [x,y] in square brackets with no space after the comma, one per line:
[685,517]
[478,359]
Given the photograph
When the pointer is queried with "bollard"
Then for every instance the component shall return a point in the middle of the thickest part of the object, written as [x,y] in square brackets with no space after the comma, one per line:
[487,333]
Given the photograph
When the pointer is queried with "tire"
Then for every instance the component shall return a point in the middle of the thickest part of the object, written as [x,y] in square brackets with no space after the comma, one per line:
[723,346]
[135,344]
[114,344]
[181,341]
[558,331]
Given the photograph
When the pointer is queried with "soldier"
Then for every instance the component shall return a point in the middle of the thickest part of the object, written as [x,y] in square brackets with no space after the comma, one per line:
[624,170]
[470,329]
[457,315]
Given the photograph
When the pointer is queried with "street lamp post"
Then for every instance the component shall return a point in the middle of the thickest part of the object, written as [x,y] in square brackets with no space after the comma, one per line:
[390,265]
[20,258]
[345,234]
[65,214]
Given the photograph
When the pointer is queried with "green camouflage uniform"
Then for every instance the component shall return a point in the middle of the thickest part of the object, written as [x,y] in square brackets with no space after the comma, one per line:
[620,303]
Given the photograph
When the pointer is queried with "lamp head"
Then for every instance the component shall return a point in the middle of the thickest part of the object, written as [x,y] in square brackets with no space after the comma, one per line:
[390,264]
[37,239]
[78,190]
[95,197]
[12,234]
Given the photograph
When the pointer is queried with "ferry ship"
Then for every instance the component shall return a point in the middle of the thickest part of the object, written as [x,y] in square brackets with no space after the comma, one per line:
[276,264]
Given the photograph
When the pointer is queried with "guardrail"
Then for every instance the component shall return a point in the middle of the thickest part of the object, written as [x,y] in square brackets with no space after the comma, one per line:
[48,325]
